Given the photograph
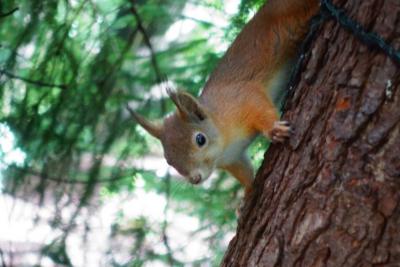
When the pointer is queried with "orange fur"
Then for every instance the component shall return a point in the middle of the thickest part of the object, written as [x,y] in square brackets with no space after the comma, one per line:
[235,92]
[241,170]
[234,105]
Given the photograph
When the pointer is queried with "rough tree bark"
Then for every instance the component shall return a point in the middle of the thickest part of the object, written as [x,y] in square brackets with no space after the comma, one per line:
[330,197]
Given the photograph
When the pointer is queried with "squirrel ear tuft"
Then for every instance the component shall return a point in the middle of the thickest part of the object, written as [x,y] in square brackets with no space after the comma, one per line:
[152,128]
[188,107]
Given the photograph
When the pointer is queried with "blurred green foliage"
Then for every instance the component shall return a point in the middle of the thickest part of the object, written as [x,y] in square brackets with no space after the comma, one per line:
[67,71]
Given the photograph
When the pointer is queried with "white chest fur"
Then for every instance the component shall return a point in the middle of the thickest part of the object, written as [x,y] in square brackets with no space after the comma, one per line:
[234,151]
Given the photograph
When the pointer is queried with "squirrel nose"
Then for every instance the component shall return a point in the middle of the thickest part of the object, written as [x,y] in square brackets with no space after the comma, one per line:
[195,179]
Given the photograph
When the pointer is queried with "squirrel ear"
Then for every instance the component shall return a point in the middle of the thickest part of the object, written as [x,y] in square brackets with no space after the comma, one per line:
[188,107]
[152,128]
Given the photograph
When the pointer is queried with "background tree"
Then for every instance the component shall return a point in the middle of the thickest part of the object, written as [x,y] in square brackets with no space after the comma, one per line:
[330,197]
[67,71]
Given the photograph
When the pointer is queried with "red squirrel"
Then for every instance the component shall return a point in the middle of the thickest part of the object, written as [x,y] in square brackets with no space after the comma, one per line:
[215,130]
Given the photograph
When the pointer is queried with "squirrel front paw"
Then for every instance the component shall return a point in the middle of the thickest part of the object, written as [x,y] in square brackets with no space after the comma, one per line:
[280,131]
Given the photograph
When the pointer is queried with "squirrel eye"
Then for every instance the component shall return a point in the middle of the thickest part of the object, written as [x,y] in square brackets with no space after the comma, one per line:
[200,139]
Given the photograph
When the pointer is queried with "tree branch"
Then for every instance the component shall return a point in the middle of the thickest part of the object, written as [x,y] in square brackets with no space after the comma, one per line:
[71,181]
[35,82]
[9,12]
[165,237]
[159,76]
[3,262]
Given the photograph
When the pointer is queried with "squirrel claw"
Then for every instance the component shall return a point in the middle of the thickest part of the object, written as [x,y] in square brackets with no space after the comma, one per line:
[239,209]
[280,132]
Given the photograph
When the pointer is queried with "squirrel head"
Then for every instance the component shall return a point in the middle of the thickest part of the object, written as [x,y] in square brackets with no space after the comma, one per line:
[189,137]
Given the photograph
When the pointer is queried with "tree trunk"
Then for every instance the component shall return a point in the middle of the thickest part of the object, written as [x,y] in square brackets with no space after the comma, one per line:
[329,197]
